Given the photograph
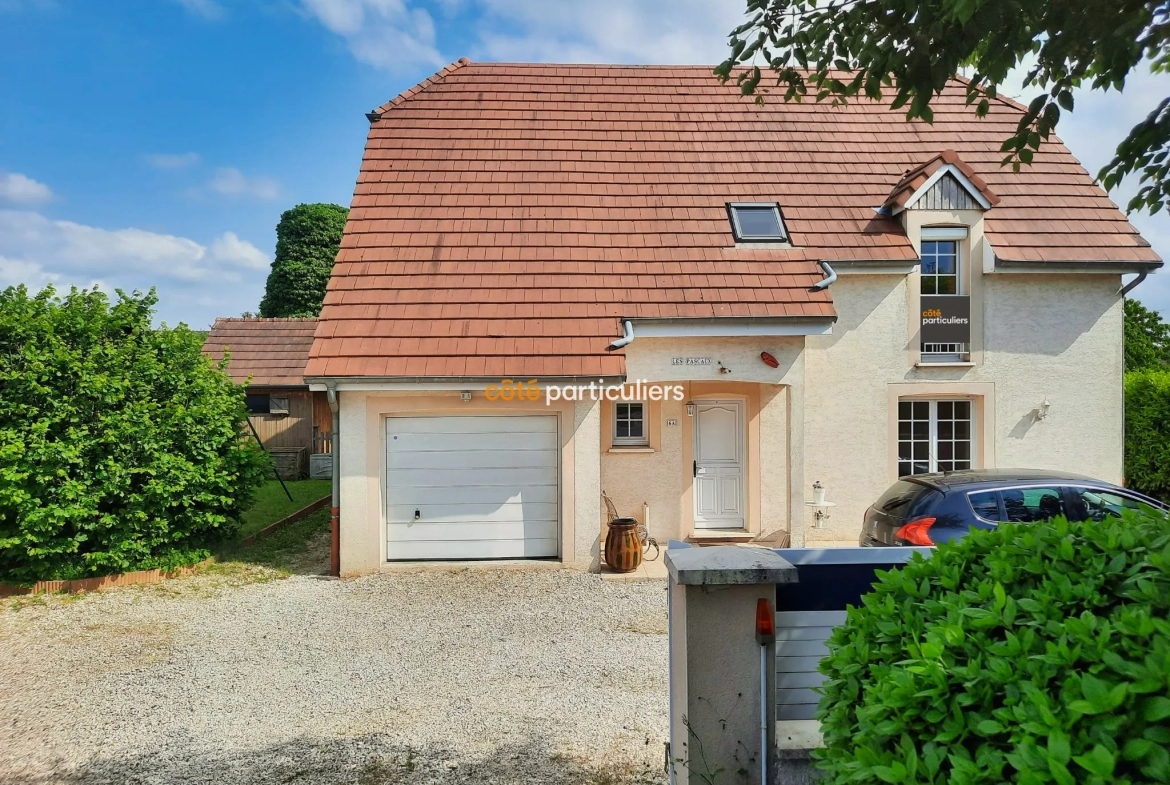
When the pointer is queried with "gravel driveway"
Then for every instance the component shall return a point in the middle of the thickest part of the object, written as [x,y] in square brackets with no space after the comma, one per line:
[446,676]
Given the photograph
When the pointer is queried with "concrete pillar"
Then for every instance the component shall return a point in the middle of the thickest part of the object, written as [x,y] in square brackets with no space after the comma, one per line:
[586,477]
[715,694]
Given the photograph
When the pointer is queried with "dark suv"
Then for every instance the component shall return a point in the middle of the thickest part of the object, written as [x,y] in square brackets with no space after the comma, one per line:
[926,509]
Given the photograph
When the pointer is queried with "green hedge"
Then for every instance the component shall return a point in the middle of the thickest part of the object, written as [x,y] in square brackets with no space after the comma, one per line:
[1147,432]
[119,442]
[1030,654]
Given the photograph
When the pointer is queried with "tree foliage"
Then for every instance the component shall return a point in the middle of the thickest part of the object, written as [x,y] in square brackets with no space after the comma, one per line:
[1147,338]
[307,240]
[1147,432]
[844,48]
[119,442]
[1032,654]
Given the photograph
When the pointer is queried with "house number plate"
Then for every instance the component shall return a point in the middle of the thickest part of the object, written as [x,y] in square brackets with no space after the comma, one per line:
[690,360]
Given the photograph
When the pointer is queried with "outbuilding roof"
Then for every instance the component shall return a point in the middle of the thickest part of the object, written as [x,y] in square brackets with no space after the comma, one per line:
[271,351]
[508,216]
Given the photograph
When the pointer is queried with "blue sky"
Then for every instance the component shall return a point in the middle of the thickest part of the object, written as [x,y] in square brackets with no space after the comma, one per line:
[156,142]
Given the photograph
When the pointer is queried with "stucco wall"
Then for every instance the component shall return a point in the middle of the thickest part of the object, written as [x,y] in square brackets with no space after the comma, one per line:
[662,478]
[1054,336]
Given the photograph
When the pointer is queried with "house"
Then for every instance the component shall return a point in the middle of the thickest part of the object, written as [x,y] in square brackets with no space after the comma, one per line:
[269,355]
[559,280]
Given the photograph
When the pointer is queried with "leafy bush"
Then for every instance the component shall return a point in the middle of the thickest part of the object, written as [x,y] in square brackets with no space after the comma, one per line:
[1147,432]
[307,240]
[119,442]
[1031,654]
[1147,338]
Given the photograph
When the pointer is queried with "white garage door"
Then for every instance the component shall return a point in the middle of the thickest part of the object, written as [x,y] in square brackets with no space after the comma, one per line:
[471,487]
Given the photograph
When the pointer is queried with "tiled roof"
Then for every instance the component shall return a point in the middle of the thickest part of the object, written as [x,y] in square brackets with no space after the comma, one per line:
[919,175]
[506,216]
[272,351]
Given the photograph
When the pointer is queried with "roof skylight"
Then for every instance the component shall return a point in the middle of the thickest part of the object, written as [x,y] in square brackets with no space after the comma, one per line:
[757,222]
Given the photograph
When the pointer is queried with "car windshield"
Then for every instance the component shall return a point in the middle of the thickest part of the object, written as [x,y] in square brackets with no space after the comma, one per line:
[1097,504]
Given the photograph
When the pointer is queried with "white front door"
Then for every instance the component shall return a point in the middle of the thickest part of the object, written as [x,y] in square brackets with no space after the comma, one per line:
[718,465]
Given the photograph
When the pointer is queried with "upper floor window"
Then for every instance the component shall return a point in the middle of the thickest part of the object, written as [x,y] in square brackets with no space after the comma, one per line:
[940,267]
[757,222]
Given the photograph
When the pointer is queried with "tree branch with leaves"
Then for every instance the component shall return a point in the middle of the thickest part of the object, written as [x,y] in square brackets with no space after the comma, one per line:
[842,49]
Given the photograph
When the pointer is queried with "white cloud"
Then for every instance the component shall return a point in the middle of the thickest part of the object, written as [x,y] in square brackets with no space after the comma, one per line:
[16,188]
[172,160]
[230,249]
[233,182]
[37,249]
[383,33]
[609,31]
[208,9]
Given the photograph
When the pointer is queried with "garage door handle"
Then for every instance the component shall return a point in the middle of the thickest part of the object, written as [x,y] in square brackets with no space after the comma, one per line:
[695,468]
[417,515]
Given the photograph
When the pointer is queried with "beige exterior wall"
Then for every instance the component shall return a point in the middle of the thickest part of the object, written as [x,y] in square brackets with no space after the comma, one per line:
[1056,337]
[362,468]
[659,477]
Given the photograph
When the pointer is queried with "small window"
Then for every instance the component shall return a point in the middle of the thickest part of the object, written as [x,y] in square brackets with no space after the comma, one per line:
[629,425]
[757,222]
[257,404]
[277,404]
[985,504]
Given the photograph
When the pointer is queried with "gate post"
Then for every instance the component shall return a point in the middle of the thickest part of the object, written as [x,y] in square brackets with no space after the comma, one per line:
[715,663]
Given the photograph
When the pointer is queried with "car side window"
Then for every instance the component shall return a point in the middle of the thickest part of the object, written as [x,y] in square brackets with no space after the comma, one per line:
[1030,505]
[1096,505]
[985,504]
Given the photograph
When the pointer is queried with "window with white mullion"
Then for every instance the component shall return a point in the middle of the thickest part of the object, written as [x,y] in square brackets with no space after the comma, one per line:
[629,425]
[934,436]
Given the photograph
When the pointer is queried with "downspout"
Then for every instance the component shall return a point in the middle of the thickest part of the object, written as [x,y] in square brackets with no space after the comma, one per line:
[1142,273]
[830,276]
[335,505]
[626,339]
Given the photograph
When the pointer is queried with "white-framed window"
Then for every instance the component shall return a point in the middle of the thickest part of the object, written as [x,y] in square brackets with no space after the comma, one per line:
[940,266]
[757,222]
[935,435]
[940,274]
[630,425]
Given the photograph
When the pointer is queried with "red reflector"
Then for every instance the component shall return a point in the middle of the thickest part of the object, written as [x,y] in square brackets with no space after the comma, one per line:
[916,532]
[765,621]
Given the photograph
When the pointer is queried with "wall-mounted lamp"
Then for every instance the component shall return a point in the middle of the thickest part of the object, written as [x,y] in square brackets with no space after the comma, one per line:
[690,408]
[1042,409]
[465,396]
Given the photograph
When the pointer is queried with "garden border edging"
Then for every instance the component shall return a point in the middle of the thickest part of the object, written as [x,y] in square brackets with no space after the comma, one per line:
[304,512]
[101,582]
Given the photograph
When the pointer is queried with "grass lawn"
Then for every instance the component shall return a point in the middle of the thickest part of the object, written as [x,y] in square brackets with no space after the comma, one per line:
[300,547]
[271,504]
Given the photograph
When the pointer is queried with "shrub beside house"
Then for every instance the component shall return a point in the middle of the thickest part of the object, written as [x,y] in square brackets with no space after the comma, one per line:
[120,443]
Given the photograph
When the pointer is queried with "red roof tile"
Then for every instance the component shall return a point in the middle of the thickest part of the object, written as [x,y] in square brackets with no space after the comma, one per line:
[499,202]
[271,351]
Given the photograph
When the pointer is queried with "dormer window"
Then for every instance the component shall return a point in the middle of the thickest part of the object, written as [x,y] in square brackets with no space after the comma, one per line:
[757,222]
